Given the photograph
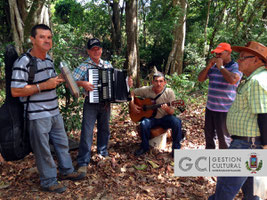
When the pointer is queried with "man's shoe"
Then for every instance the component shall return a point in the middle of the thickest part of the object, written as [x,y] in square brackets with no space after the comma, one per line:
[82,170]
[74,176]
[57,188]
[183,137]
[140,152]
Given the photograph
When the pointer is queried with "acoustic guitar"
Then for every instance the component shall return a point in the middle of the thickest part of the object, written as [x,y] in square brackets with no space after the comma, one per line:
[149,108]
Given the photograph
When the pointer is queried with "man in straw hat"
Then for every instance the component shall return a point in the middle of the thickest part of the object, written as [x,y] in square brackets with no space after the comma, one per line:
[247,117]
[224,76]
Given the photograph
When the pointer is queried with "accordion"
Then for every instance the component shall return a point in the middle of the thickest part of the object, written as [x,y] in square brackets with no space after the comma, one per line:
[110,85]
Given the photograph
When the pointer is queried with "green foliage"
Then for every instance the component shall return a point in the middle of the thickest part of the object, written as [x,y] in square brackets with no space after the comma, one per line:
[70,109]
[117,61]
[91,19]
[186,86]
[69,11]
[160,21]
[68,46]
[97,20]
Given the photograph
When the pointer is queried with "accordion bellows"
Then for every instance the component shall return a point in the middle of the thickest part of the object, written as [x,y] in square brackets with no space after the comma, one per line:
[71,83]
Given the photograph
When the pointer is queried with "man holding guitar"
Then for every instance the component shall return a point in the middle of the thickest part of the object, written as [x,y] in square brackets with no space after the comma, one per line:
[163,117]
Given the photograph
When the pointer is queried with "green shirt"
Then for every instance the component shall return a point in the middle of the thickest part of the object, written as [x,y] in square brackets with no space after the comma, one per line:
[251,100]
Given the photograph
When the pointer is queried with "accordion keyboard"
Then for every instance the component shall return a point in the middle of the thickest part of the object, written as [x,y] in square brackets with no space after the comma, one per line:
[93,77]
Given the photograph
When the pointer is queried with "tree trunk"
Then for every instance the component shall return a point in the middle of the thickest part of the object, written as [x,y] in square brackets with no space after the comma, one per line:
[23,15]
[143,13]
[205,30]
[176,56]
[216,28]
[115,25]
[133,65]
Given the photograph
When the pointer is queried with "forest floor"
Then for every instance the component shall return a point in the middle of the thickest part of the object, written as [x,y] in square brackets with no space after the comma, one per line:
[121,175]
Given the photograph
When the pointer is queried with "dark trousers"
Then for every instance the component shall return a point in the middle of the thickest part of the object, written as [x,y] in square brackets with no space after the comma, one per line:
[168,121]
[215,124]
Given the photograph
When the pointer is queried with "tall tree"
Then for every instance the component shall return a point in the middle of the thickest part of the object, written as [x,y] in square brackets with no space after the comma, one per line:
[115,17]
[175,59]
[206,27]
[218,22]
[143,13]
[23,15]
[133,65]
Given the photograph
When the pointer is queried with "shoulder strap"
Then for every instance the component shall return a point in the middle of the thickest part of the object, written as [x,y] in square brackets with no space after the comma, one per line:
[160,94]
[33,67]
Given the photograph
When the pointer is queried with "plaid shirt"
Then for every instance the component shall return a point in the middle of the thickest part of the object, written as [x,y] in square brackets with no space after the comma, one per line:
[81,72]
[251,100]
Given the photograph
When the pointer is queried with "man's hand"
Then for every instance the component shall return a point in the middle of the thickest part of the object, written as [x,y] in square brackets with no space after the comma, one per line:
[130,81]
[135,108]
[88,86]
[212,62]
[203,75]
[51,83]
[219,62]
[264,146]
[167,109]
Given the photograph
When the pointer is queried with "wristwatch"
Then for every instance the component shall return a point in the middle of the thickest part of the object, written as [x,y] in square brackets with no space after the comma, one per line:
[222,67]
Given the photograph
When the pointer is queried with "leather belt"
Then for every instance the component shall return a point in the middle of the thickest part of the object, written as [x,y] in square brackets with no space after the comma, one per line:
[248,139]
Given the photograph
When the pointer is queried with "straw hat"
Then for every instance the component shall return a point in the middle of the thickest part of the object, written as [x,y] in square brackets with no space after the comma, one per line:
[255,48]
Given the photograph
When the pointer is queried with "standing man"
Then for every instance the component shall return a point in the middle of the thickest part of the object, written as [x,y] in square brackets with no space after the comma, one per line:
[164,117]
[224,77]
[92,111]
[246,119]
[45,122]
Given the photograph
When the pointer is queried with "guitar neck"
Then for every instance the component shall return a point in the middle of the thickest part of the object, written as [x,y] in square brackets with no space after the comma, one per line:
[153,107]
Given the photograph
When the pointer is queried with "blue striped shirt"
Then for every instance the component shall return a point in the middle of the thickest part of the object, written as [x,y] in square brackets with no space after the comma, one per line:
[221,94]
[45,103]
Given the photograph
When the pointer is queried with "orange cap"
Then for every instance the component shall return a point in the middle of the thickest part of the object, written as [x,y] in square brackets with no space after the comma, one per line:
[222,47]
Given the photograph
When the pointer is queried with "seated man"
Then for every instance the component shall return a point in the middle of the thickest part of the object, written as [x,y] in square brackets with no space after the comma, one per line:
[164,117]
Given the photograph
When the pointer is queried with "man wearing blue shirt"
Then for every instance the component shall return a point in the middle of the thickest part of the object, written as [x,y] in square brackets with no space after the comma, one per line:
[224,76]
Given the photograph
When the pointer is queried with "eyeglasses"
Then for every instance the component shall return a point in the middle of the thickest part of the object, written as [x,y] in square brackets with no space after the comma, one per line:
[244,58]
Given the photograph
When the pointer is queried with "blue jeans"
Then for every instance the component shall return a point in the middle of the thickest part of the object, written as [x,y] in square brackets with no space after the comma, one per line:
[168,121]
[43,131]
[228,187]
[91,113]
